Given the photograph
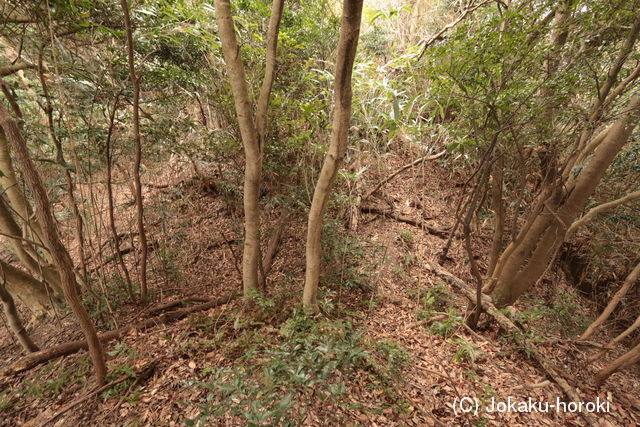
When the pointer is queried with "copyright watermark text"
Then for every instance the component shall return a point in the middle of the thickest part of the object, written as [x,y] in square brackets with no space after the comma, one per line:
[472,405]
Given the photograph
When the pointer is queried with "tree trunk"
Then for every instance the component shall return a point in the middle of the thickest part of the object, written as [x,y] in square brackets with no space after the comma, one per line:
[13,319]
[626,360]
[24,250]
[269,71]
[71,198]
[629,281]
[342,100]
[601,208]
[498,215]
[473,205]
[29,290]
[135,82]
[14,193]
[253,133]
[112,222]
[52,241]
[526,262]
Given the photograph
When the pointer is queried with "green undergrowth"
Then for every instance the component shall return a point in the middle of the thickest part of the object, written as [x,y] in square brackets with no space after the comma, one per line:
[564,316]
[50,381]
[277,372]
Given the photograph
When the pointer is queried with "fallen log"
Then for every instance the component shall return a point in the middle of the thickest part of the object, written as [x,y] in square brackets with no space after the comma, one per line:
[402,218]
[155,309]
[506,323]
[34,359]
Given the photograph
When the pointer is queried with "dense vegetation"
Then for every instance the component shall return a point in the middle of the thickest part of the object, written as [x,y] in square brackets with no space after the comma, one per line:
[226,162]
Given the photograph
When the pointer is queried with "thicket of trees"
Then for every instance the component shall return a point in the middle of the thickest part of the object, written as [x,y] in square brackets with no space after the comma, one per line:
[536,102]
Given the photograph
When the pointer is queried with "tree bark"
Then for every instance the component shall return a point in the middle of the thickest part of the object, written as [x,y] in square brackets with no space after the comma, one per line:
[342,100]
[601,208]
[525,263]
[52,241]
[135,83]
[629,281]
[29,290]
[253,133]
[626,360]
[13,190]
[498,215]
[269,71]
[71,198]
[112,222]
[24,250]
[13,319]
[474,203]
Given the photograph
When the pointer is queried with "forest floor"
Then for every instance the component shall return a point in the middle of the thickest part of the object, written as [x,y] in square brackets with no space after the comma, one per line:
[389,349]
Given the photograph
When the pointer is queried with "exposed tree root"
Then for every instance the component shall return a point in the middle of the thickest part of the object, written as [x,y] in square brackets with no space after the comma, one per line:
[509,326]
[42,356]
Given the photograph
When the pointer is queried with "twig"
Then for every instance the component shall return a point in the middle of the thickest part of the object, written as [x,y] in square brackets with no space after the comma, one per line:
[233,254]
[542,384]
[42,356]
[84,398]
[402,169]
[450,25]
[144,375]
[543,362]
[401,218]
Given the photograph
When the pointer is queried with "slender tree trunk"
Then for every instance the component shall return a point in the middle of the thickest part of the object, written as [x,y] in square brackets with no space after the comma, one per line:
[71,199]
[15,324]
[112,221]
[498,215]
[263,100]
[342,100]
[52,241]
[629,281]
[135,82]
[626,332]
[253,154]
[269,71]
[253,133]
[474,204]
[626,360]
[601,208]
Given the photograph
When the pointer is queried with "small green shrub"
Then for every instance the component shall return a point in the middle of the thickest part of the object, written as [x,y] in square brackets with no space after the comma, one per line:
[563,317]
[309,360]
[465,351]
[431,299]
[445,328]
[7,400]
